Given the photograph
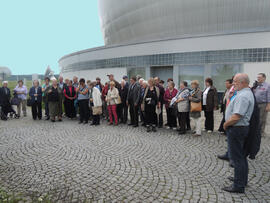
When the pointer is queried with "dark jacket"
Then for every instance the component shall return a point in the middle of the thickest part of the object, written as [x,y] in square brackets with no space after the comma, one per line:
[123,94]
[4,97]
[162,92]
[223,102]
[134,93]
[39,93]
[253,140]
[54,96]
[212,99]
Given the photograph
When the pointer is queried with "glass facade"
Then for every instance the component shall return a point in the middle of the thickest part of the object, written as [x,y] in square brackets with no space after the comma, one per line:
[189,58]
[136,71]
[189,73]
[220,73]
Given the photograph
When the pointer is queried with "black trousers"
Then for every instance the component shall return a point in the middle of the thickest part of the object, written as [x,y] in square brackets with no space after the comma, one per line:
[123,112]
[70,109]
[171,118]
[188,121]
[160,116]
[150,115]
[182,119]
[134,113]
[142,115]
[221,129]
[96,119]
[36,110]
[209,120]
[84,110]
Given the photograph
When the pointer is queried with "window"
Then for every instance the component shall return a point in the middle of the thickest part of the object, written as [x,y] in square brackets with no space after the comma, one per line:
[222,72]
[136,71]
[189,73]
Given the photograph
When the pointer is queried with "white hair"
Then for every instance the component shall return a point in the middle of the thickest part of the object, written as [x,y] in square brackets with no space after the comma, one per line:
[141,80]
[4,82]
[145,82]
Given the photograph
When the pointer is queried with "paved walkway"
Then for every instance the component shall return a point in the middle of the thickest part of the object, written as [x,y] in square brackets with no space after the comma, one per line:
[73,163]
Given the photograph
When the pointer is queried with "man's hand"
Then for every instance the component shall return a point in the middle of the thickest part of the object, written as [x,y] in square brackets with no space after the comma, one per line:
[225,126]
[127,103]
[268,107]
[35,95]
[232,121]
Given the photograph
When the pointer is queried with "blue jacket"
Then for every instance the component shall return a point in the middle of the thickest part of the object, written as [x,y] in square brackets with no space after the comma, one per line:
[32,92]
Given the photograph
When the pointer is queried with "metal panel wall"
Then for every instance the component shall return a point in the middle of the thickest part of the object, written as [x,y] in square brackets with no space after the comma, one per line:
[129,21]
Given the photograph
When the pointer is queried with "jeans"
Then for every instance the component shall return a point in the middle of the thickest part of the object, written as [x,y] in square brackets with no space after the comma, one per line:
[47,109]
[76,104]
[236,140]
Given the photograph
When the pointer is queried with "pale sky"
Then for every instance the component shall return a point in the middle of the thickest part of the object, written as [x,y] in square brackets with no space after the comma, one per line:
[37,33]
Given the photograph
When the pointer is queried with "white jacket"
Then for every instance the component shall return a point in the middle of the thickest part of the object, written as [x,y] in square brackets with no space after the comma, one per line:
[96,95]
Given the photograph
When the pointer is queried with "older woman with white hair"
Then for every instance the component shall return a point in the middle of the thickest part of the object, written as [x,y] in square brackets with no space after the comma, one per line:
[35,94]
[5,101]
[54,94]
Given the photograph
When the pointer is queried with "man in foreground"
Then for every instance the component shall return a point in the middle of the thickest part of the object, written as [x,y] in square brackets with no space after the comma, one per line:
[238,115]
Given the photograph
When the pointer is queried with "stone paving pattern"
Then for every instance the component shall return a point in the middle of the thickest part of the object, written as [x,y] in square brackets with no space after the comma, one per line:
[74,163]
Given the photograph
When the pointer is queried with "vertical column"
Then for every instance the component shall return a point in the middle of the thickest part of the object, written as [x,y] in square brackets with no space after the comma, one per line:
[147,72]
[176,75]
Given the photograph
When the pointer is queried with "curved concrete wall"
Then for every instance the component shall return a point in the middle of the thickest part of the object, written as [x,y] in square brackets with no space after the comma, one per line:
[131,21]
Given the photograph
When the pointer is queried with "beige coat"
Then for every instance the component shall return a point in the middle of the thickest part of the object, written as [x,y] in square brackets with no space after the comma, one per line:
[112,96]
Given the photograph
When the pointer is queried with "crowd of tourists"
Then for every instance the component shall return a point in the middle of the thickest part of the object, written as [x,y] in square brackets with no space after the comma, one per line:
[145,100]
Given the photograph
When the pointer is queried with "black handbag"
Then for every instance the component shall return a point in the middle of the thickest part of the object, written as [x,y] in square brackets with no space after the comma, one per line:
[29,102]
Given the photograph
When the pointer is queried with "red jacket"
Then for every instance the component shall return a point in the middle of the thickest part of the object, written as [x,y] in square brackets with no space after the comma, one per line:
[168,96]
[105,92]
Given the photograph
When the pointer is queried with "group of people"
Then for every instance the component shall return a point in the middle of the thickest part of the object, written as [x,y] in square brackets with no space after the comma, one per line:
[244,108]
[144,100]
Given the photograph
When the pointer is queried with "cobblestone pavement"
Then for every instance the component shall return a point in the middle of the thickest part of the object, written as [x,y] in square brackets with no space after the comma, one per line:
[73,163]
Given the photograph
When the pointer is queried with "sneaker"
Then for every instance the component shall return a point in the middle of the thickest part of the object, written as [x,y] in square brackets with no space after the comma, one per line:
[174,128]
[209,131]
[168,128]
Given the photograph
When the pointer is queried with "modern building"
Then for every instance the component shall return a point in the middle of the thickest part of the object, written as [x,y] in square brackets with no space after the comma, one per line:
[179,39]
